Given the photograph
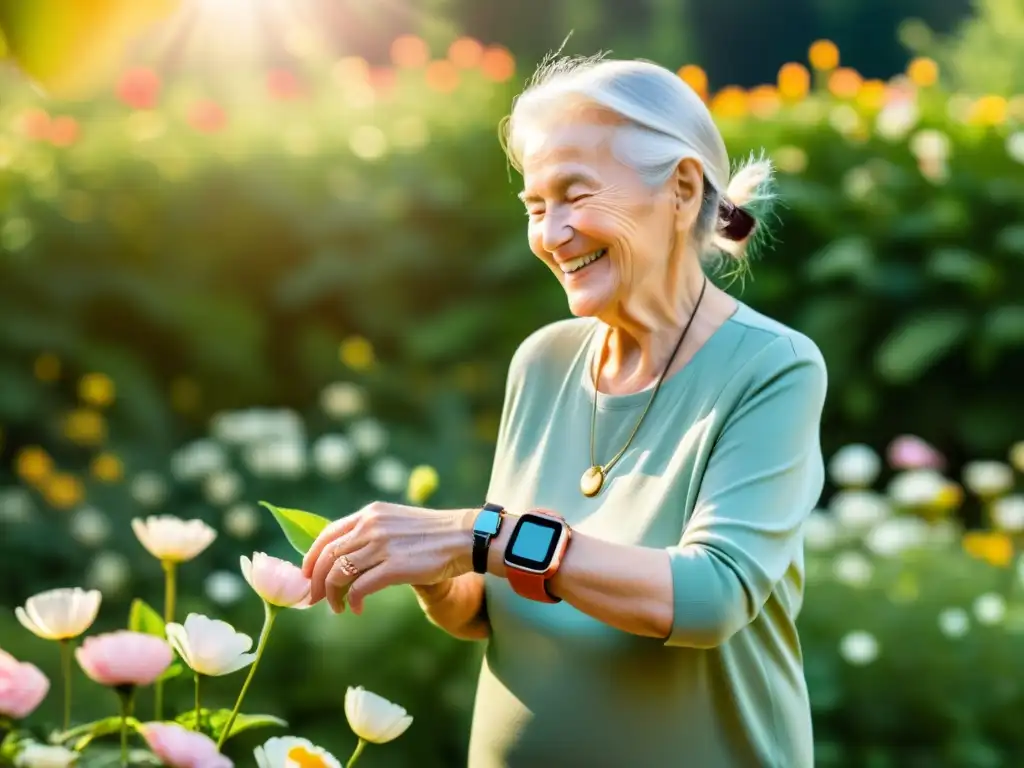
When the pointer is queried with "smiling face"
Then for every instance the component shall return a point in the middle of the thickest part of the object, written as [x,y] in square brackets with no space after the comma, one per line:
[611,239]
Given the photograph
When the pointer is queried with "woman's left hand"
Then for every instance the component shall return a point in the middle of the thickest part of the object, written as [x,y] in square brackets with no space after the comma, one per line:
[385,544]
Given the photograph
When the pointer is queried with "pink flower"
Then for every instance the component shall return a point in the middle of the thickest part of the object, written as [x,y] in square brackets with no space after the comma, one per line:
[124,658]
[179,747]
[22,687]
[277,581]
[911,452]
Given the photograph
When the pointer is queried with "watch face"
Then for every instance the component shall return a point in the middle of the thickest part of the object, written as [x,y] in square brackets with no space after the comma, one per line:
[487,522]
[533,543]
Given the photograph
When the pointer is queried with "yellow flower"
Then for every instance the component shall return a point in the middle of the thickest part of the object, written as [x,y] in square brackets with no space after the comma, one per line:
[423,481]
[1017,456]
[823,55]
[871,95]
[63,491]
[60,614]
[33,465]
[356,353]
[988,110]
[923,72]
[107,467]
[47,367]
[85,427]
[994,548]
[96,389]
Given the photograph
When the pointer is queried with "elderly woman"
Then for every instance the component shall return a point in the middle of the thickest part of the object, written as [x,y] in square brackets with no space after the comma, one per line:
[637,568]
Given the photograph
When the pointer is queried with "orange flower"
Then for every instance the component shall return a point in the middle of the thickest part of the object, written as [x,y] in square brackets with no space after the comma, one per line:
[409,52]
[845,83]
[731,101]
[823,55]
[465,53]
[442,76]
[764,100]
[696,78]
[794,81]
[498,64]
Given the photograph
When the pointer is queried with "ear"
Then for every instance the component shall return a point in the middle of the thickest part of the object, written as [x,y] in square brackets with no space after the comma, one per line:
[689,192]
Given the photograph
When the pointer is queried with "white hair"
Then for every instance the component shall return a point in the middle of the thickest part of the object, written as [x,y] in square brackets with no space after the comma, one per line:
[662,121]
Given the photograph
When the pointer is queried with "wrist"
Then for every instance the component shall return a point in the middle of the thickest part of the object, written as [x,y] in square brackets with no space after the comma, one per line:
[496,552]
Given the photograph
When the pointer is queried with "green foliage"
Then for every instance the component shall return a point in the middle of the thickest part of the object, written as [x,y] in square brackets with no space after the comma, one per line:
[143,618]
[985,54]
[213,721]
[300,528]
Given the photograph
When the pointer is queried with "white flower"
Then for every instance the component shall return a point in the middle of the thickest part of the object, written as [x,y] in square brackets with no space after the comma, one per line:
[224,587]
[16,505]
[334,455]
[109,572]
[930,145]
[209,646]
[293,752]
[171,539]
[988,478]
[368,436]
[858,183]
[989,608]
[257,425]
[859,648]
[222,488]
[1015,146]
[241,521]
[820,531]
[854,466]
[1017,456]
[858,510]
[893,537]
[198,460]
[342,399]
[917,488]
[954,622]
[852,569]
[389,475]
[283,458]
[60,614]
[35,755]
[276,581]
[896,120]
[1008,513]
[149,489]
[373,718]
[90,527]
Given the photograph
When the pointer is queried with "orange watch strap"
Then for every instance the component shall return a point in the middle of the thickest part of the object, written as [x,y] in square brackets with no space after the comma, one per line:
[529,585]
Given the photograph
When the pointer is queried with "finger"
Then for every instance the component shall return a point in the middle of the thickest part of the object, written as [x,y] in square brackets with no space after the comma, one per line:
[369,582]
[340,579]
[328,556]
[333,530]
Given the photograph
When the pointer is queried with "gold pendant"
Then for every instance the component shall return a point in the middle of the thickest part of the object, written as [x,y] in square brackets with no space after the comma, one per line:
[592,481]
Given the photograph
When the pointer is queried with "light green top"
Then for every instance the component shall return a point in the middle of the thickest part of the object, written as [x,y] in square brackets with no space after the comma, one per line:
[722,474]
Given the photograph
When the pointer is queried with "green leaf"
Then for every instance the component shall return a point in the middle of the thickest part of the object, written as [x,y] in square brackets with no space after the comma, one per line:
[216,719]
[83,735]
[913,347]
[300,528]
[171,672]
[144,618]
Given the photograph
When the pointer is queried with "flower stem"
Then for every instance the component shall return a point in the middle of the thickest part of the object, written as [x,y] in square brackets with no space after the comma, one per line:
[170,588]
[127,695]
[198,710]
[270,612]
[356,754]
[65,667]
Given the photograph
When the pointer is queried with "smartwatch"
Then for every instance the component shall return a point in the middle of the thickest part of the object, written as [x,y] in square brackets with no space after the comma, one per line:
[485,528]
[534,552]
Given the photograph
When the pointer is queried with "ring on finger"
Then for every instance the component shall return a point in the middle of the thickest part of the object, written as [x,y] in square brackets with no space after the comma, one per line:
[346,566]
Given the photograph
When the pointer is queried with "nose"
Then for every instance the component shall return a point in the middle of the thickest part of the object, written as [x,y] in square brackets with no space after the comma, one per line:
[555,232]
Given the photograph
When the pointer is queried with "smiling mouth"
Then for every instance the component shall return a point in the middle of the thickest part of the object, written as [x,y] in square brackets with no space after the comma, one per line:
[581,262]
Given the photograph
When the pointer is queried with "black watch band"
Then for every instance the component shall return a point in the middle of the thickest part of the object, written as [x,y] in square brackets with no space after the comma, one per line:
[486,527]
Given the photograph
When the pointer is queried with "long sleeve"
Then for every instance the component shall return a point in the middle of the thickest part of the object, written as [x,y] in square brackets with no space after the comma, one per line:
[763,477]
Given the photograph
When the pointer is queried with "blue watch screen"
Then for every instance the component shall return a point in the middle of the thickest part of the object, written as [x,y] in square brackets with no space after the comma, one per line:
[533,543]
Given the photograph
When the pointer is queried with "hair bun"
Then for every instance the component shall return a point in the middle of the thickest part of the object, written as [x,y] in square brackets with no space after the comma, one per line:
[734,222]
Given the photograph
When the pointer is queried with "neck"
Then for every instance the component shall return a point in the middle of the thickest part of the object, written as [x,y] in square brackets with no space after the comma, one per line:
[643,333]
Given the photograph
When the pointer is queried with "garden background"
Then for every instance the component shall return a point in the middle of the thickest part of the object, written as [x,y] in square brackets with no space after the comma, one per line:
[281,257]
